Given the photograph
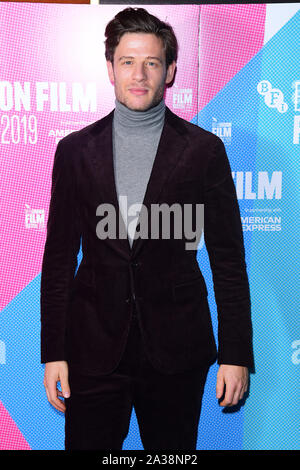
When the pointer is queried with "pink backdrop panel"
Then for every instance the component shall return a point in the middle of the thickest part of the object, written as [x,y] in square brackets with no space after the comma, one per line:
[230,35]
[53,81]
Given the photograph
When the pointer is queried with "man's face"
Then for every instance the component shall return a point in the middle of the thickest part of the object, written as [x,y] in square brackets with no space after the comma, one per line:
[139,72]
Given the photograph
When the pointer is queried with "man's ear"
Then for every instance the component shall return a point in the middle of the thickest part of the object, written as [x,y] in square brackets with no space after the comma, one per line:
[170,72]
[110,70]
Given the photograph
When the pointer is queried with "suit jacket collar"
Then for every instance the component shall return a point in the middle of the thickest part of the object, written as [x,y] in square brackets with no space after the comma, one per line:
[100,148]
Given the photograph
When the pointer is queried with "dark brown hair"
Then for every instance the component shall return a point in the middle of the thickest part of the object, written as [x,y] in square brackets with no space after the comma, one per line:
[138,20]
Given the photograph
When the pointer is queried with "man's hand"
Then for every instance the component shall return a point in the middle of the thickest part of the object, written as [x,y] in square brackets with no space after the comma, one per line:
[235,380]
[57,372]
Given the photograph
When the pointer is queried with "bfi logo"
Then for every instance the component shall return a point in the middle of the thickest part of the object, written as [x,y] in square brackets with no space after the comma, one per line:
[182,98]
[222,130]
[34,218]
[273,97]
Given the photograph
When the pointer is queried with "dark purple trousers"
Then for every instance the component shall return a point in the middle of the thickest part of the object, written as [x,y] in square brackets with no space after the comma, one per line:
[167,407]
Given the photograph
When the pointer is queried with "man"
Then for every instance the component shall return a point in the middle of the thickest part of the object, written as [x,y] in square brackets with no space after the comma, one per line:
[133,327]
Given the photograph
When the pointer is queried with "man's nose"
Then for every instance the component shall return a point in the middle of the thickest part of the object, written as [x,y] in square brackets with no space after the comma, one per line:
[139,72]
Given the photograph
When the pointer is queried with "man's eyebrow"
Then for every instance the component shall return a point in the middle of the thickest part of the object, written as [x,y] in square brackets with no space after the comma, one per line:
[126,57]
[156,58]
[148,57]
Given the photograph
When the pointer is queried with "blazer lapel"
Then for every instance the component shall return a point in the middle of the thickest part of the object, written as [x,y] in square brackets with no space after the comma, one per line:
[171,145]
[100,147]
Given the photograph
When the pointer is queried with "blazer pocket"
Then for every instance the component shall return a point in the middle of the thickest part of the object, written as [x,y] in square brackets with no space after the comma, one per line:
[84,288]
[190,290]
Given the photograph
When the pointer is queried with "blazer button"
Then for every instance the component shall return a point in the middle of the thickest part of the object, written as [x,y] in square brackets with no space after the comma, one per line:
[128,300]
[135,264]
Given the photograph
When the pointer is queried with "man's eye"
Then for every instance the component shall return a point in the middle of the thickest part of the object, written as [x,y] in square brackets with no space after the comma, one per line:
[152,64]
[127,62]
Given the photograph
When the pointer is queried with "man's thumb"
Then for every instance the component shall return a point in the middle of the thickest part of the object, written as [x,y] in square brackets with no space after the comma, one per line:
[219,387]
[65,388]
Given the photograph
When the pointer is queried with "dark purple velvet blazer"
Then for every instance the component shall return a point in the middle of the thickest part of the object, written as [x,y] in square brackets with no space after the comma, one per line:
[85,317]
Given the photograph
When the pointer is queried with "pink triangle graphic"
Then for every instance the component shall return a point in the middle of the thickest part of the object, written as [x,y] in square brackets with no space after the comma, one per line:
[230,36]
[11,437]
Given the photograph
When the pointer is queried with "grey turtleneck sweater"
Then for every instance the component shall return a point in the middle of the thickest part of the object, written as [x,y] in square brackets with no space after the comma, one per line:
[136,135]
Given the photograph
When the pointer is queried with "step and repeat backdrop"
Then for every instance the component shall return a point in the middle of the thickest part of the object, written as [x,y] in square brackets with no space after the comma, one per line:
[238,76]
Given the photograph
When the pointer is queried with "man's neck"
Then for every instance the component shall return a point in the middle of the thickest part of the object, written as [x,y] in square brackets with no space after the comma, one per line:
[129,118]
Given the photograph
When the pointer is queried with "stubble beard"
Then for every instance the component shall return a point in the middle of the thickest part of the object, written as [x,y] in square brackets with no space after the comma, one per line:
[154,102]
[158,96]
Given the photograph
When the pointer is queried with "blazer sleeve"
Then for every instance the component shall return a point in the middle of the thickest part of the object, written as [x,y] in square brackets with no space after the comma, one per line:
[225,246]
[60,257]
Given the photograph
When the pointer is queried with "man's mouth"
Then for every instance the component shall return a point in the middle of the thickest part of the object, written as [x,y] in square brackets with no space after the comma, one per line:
[138,91]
